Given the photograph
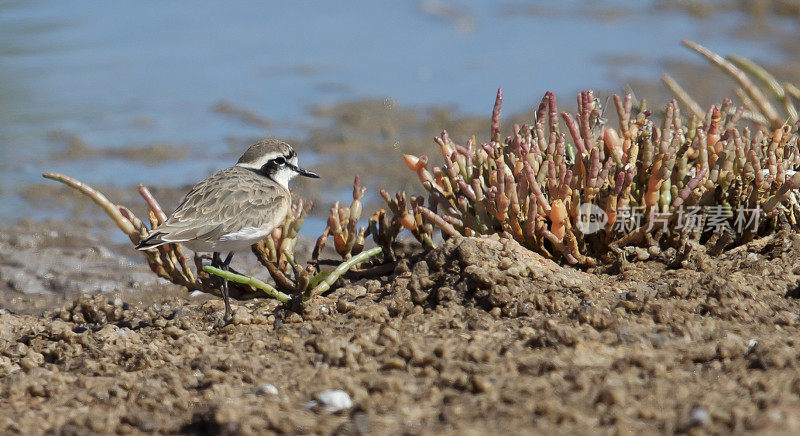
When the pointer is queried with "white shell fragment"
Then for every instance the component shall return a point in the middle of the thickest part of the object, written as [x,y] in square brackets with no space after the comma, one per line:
[332,401]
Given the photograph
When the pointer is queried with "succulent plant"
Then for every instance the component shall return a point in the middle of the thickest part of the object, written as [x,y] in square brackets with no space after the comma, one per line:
[575,189]
[342,225]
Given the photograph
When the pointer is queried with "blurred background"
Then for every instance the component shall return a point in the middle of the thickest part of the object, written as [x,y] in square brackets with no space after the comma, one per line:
[163,93]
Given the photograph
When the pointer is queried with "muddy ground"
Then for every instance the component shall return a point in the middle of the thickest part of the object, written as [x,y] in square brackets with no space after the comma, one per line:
[478,335]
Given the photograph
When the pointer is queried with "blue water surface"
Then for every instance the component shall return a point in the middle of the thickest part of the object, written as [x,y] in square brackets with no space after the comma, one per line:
[129,73]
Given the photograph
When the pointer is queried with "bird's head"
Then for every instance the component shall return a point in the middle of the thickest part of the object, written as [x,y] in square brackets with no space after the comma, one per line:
[274,159]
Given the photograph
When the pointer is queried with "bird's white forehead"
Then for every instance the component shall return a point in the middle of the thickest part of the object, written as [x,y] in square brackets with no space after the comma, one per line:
[259,161]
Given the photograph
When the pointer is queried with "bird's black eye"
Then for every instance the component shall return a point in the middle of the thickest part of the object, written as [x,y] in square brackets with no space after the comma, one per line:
[280,161]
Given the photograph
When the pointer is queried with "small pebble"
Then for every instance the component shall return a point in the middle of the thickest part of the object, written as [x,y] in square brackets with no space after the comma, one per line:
[611,396]
[173,332]
[344,306]
[241,317]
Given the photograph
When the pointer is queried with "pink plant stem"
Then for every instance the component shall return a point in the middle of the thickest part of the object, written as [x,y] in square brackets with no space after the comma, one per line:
[574,132]
[498,102]
[444,225]
[110,208]
[152,204]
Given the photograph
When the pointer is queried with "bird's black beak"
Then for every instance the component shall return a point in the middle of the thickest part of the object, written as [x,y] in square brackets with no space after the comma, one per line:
[306,173]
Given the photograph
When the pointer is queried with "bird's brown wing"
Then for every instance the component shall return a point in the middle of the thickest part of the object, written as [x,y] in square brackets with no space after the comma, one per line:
[223,203]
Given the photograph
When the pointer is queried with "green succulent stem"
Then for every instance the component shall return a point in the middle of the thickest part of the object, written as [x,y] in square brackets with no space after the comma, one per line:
[290,257]
[252,281]
[331,278]
[318,278]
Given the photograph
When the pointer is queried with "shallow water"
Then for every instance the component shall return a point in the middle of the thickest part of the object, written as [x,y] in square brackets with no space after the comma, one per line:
[126,74]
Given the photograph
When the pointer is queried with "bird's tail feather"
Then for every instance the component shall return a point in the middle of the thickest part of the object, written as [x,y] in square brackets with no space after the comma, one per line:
[152,241]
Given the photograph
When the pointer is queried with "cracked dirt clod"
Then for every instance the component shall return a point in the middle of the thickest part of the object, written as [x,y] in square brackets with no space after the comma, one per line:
[491,272]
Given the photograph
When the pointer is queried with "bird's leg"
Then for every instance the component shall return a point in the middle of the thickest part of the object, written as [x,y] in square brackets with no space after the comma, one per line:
[226,267]
[217,262]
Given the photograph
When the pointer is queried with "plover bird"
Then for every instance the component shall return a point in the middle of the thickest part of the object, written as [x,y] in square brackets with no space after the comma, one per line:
[234,208]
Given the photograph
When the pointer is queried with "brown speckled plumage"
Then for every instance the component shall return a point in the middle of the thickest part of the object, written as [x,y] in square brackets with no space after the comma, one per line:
[225,203]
